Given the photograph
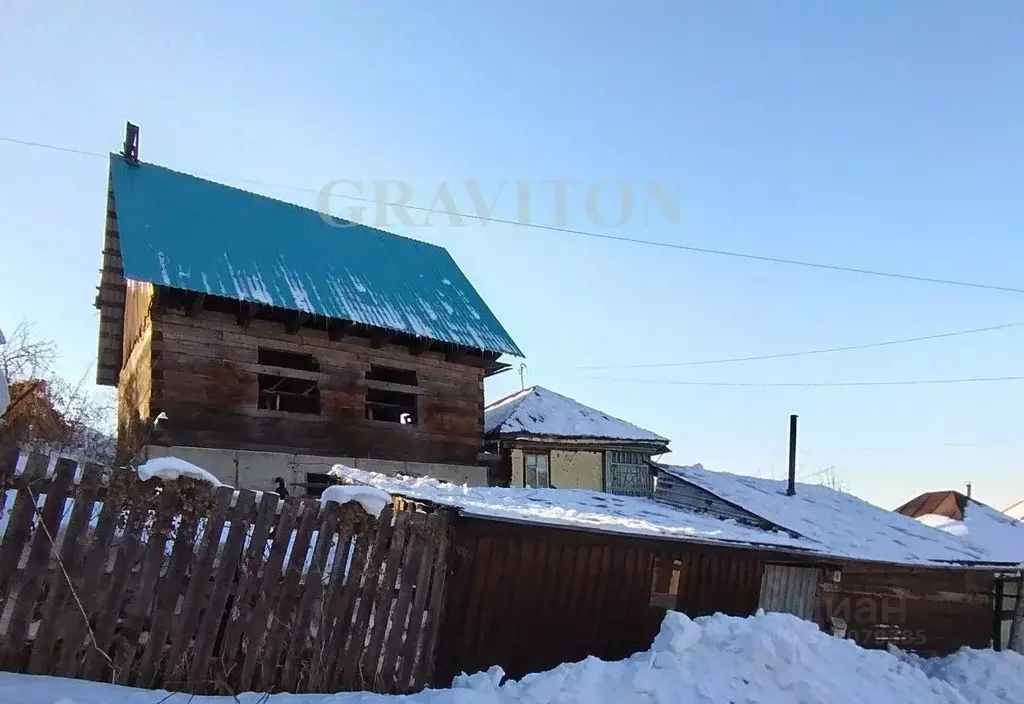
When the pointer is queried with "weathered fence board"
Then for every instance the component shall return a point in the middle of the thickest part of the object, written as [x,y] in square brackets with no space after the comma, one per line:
[178,585]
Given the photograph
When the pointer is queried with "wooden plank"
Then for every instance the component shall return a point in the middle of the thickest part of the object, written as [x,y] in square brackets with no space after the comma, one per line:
[309,592]
[53,613]
[364,533]
[224,582]
[431,536]
[18,534]
[388,674]
[87,587]
[277,637]
[257,627]
[336,609]
[384,596]
[172,586]
[371,578]
[424,668]
[110,610]
[139,607]
[248,580]
[202,565]
[523,582]
[35,574]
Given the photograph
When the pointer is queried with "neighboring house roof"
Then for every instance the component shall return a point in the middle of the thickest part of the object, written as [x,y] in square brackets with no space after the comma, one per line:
[539,411]
[185,232]
[839,526]
[836,523]
[969,519]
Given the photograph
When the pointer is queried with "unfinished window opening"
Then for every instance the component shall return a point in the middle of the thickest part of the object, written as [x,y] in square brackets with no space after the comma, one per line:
[285,393]
[390,375]
[317,482]
[288,360]
[537,475]
[391,406]
[665,583]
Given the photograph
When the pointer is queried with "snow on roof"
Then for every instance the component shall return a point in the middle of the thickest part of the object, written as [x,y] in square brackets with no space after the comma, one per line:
[985,528]
[573,508]
[539,411]
[837,523]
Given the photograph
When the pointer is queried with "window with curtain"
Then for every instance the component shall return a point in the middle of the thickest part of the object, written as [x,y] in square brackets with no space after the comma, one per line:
[537,475]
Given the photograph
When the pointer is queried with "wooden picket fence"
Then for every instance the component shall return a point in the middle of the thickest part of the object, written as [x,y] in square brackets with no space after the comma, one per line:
[177,585]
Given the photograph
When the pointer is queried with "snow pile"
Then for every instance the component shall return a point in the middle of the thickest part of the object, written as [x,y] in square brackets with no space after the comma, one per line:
[373,500]
[837,523]
[172,468]
[538,411]
[765,659]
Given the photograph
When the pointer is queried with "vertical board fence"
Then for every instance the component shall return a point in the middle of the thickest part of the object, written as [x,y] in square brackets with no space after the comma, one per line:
[178,585]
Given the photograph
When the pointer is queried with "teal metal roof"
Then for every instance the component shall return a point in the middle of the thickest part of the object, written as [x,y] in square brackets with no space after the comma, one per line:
[186,232]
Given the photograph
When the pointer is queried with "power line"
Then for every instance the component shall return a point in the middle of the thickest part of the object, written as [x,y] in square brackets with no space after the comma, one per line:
[803,353]
[587,233]
[831,384]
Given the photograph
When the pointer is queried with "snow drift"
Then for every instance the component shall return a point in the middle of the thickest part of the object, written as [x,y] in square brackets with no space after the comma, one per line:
[765,659]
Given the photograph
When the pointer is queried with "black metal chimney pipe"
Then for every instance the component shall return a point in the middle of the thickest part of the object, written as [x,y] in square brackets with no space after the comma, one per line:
[791,489]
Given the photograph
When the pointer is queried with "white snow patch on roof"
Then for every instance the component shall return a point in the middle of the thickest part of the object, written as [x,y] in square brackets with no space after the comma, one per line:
[840,524]
[539,411]
[172,468]
[573,508]
[985,528]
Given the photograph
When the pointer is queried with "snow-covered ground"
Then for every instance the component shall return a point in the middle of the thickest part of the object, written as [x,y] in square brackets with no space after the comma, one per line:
[765,659]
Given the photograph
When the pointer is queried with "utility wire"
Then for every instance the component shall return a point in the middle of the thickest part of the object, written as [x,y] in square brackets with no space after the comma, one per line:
[782,355]
[589,233]
[830,384]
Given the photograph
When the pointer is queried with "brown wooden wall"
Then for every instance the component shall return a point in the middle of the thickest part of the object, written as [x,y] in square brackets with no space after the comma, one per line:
[205,379]
[930,611]
[530,597]
[135,378]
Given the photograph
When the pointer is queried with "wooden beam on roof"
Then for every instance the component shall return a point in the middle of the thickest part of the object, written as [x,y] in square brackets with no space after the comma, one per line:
[337,329]
[295,321]
[246,312]
[419,346]
[378,340]
[195,304]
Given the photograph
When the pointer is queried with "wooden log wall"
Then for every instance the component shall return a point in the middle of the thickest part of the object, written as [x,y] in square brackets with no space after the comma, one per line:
[205,369]
[199,590]
[530,597]
[930,611]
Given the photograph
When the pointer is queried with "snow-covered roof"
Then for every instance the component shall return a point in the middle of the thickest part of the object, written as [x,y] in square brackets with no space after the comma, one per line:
[836,523]
[972,521]
[540,411]
[573,508]
[829,523]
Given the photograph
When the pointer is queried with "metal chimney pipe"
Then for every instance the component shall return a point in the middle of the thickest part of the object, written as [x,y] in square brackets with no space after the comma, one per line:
[791,489]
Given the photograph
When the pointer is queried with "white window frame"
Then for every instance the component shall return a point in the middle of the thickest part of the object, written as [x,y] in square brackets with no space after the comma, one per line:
[532,474]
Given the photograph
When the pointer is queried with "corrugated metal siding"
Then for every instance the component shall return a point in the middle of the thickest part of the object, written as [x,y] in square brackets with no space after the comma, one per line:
[182,231]
[790,590]
[674,491]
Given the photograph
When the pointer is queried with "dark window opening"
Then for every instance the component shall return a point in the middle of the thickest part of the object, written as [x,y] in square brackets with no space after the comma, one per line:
[665,583]
[316,483]
[391,375]
[289,360]
[283,393]
[391,406]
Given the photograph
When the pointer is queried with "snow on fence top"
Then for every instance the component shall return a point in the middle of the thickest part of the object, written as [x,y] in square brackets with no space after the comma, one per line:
[830,523]
[538,411]
[837,523]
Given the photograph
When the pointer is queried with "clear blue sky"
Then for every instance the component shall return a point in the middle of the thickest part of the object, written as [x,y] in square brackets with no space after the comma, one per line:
[875,134]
